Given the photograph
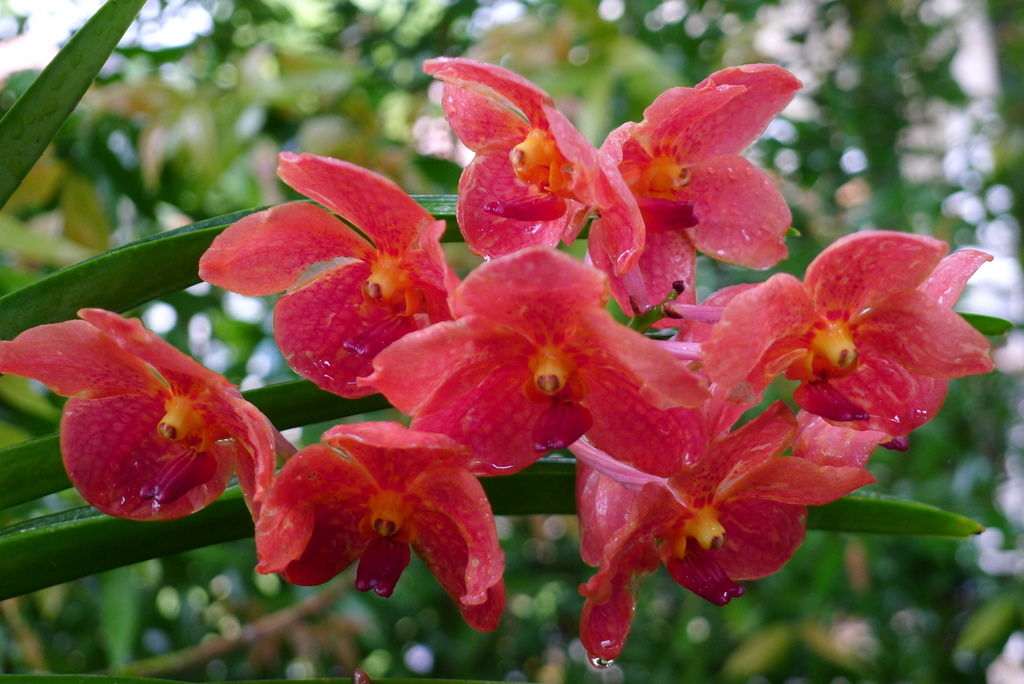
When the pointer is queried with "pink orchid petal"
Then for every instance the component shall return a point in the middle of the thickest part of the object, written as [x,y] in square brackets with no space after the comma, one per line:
[468,349]
[454,513]
[797,481]
[732,457]
[480,122]
[897,401]
[948,279]
[483,617]
[478,401]
[374,444]
[641,363]
[490,179]
[858,270]
[113,455]
[381,566]
[751,553]
[270,251]
[171,363]
[605,625]
[741,217]
[556,285]
[74,358]
[668,258]
[312,325]
[698,572]
[756,320]
[495,83]
[444,550]
[682,122]
[741,120]
[309,525]
[596,183]
[827,445]
[560,424]
[373,204]
[602,503]
[611,594]
[821,398]
[924,336]
[659,442]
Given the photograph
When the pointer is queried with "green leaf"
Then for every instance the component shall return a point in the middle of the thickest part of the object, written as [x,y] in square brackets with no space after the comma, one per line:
[34,119]
[54,549]
[117,280]
[59,548]
[888,515]
[988,325]
[34,469]
[122,679]
[134,274]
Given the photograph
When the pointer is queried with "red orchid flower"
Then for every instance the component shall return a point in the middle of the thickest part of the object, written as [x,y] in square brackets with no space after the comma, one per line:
[374,491]
[694,190]
[737,514]
[532,362]
[535,178]
[869,333]
[148,433]
[346,298]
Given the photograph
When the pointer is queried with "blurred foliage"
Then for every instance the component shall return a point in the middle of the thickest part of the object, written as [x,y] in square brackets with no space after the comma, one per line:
[908,121]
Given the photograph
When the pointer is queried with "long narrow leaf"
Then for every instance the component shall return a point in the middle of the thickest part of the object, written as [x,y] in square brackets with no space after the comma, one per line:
[34,469]
[33,121]
[54,549]
[123,679]
[134,274]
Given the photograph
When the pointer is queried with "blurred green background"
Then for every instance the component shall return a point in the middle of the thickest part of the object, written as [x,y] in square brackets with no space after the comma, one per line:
[911,118]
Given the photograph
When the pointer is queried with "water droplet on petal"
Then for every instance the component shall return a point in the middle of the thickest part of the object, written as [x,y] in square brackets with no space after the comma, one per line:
[600,662]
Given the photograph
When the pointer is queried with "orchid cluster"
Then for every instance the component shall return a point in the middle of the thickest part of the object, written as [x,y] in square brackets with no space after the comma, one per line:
[523,357]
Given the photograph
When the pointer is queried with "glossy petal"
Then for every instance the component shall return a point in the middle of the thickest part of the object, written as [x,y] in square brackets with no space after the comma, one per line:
[75,358]
[454,506]
[308,529]
[273,250]
[858,270]
[376,206]
[820,442]
[488,180]
[769,316]
[148,433]
[750,553]
[312,325]
[492,126]
[494,82]
[603,507]
[924,336]
[947,281]
[113,453]
[897,401]
[698,572]
[741,217]
[556,285]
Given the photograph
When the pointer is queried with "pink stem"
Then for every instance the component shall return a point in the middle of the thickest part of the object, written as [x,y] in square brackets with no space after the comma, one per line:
[694,312]
[627,476]
[684,351]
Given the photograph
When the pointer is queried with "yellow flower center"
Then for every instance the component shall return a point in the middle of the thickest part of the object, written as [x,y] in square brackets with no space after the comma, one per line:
[551,368]
[390,516]
[538,162]
[183,422]
[705,528]
[661,179]
[389,286]
[831,353]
